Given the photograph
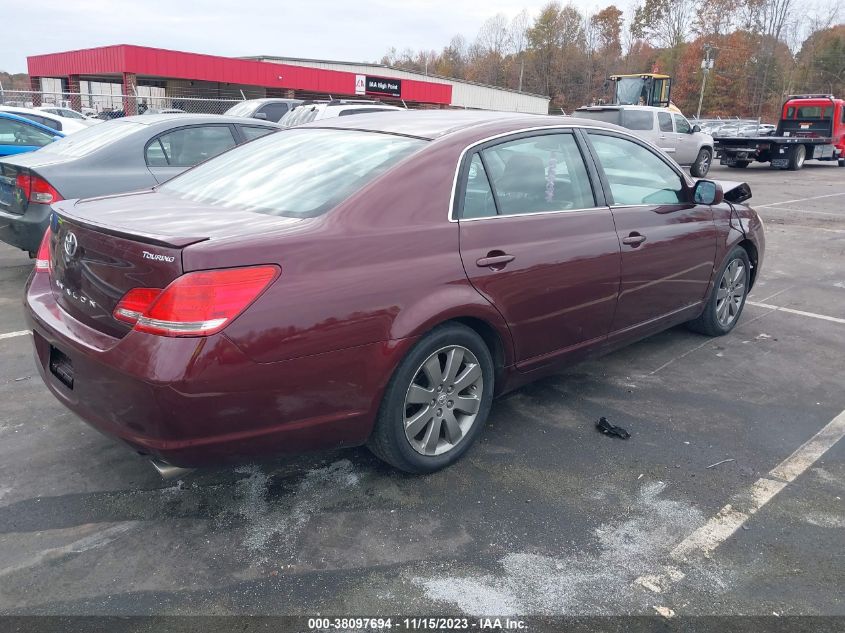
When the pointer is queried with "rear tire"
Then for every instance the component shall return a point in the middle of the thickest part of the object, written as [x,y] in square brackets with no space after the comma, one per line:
[797,157]
[842,162]
[727,297]
[429,415]
[701,166]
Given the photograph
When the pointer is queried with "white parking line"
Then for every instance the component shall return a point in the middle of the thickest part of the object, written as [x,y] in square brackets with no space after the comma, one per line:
[703,541]
[772,204]
[14,334]
[793,210]
[813,315]
[728,520]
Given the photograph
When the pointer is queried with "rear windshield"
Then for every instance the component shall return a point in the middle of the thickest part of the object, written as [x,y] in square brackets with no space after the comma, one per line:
[91,139]
[809,112]
[297,173]
[608,116]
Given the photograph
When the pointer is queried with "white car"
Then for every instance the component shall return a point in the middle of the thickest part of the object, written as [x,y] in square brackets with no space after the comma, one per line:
[317,110]
[68,113]
[62,124]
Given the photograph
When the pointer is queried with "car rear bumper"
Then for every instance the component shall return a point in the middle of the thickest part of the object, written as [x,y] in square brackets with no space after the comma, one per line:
[195,402]
[25,231]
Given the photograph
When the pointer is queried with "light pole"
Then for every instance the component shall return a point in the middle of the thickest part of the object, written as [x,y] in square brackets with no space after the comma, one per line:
[706,67]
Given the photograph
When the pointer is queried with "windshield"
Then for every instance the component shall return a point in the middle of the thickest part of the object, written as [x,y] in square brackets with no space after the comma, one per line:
[298,173]
[631,91]
[92,138]
[244,108]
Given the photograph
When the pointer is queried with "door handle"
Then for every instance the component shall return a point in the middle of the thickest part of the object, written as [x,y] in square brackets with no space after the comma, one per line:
[495,260]
[634,239]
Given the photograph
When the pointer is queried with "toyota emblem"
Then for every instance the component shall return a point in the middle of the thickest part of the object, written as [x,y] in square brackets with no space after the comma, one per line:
[70,244]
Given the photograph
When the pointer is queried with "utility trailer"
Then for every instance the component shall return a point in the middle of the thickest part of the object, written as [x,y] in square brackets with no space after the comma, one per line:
[811,127]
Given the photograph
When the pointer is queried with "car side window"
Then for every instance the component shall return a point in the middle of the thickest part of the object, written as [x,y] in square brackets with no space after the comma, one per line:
[636,175]
[274,111]
[539,173]
[21,134]
[478,196]
[682,126]
[251,132]
[665,120]
[188,146]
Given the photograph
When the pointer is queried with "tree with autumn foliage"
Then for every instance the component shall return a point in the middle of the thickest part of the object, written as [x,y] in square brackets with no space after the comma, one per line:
[568,55]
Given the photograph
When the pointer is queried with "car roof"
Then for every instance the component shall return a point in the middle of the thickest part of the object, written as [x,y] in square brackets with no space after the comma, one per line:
[268,100]
[192,119]
[432,124]
[22,119]
[621,106]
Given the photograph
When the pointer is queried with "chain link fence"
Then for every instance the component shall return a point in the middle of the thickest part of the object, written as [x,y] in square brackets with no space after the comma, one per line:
[109,105]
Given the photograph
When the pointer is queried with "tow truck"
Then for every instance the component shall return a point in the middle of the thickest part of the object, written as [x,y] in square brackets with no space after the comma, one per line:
[811,127]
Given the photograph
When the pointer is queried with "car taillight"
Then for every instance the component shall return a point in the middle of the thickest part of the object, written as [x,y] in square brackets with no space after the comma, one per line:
[36,189]
[133,304]
[196,304]
[42,258]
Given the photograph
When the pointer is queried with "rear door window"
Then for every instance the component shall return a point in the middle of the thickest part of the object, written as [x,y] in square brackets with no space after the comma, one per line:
[539,173]
[478,196]
[665,121]
[188,146]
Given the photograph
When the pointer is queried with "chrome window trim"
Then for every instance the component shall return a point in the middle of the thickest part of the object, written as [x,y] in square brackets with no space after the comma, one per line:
[522,215]
[570,126]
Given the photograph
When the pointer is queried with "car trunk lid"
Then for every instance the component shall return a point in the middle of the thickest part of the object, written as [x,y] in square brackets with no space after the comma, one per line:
[104,247]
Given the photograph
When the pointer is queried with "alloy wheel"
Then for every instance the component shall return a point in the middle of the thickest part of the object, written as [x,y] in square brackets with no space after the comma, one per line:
[731,293]
[442,401]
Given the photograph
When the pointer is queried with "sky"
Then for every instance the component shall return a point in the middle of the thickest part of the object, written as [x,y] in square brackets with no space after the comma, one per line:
[349,30]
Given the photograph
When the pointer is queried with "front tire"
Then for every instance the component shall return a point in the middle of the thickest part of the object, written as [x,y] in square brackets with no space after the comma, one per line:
[701,166]
[437,402]
[727,297]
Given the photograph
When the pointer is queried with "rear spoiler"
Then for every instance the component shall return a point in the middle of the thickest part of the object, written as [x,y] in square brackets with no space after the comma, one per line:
[64,210]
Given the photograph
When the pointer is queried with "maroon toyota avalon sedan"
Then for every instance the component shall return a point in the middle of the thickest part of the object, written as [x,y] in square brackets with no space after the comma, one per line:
[375,279]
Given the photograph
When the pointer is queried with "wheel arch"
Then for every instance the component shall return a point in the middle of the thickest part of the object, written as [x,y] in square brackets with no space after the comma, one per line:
[460,304]
[753,255]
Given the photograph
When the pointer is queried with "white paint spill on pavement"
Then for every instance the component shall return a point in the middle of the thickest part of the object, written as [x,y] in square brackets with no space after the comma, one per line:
[266,522]
[600,581]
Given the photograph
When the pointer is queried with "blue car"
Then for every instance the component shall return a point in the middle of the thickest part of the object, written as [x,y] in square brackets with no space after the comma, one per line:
[19,135]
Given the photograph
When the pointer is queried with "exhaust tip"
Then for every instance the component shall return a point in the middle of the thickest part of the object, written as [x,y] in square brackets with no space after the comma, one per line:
[167,471]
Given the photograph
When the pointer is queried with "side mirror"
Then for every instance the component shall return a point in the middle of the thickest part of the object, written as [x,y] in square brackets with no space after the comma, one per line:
[696,128]
[707,192]
[260,115]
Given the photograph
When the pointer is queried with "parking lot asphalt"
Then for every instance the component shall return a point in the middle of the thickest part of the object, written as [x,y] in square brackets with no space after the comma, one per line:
[544,515]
